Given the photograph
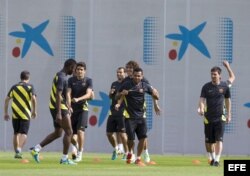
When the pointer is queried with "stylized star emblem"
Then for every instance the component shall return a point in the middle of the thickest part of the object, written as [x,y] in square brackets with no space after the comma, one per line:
[33,35]
[247,105]
[190,37]
[104,103]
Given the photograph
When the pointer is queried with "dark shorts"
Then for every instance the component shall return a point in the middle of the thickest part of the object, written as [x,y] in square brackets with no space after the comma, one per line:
[79,121]
[115,124]
[53,113]
[21,126]
[214,131]
[136,126]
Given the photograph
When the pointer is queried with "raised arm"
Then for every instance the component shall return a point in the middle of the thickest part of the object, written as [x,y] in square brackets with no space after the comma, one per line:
[230,71]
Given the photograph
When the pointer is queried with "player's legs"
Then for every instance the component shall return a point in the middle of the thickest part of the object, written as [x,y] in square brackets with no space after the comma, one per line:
[130,130]
[124,139]
[141,132]
[122,136]
[74,145]
[21,128]
[110,132]
[57,133]
[146,156]
[74,137]
[209,142]
[210,152]
[119,143]
[219,133]
[66,126]
[82,124]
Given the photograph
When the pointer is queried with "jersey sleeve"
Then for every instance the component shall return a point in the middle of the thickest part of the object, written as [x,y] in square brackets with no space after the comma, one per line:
[203,92]
[10,93]
[228,94]
[148,88]
[90,83]
[59,85]
[33,90]
[70,81]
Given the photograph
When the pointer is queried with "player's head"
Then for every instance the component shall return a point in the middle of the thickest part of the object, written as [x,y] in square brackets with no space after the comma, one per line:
[137,75]
[120,73]
[216,74]
[130,66]
[25,75]
[80,69]
[69,66]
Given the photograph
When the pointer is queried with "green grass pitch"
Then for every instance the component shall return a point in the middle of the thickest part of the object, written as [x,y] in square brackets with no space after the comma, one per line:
[95,164]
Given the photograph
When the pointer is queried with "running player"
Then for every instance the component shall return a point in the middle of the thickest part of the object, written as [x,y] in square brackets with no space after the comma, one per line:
[60,113]
[133,93]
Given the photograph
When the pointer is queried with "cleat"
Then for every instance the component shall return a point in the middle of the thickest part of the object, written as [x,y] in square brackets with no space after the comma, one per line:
[146,157]
[130,158]
[211,162]
[114,155]
[67,162]
[216,164]
[78,158]
[35,155]
[18,156]
[138,162]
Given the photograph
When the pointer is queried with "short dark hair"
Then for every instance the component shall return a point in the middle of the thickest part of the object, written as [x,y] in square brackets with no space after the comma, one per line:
[132,64]
[69,62]
[216,69]
[138,69]
[121,68]
[81,64]
[25,75]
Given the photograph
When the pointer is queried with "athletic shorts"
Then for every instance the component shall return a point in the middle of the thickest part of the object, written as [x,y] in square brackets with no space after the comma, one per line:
[214,131]
[53,114]
[136,126]
[115,124]
[79,121]
[21,126]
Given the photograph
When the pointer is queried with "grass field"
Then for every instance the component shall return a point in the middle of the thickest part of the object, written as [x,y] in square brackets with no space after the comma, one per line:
[102,165]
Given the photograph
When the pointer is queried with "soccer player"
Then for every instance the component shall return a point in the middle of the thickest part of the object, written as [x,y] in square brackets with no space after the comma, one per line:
[115,122]
[60,113]
[133,92]
[130,66]
[23,108]
[215,95]
[209,146]
[78,92]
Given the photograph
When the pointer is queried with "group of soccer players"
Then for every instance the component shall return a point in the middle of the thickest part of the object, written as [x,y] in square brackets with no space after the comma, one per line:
[128,112]
[127,118]
[69,109]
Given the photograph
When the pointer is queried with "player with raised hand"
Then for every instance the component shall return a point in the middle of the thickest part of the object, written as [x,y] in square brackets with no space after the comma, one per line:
[215,97]
[210,147]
